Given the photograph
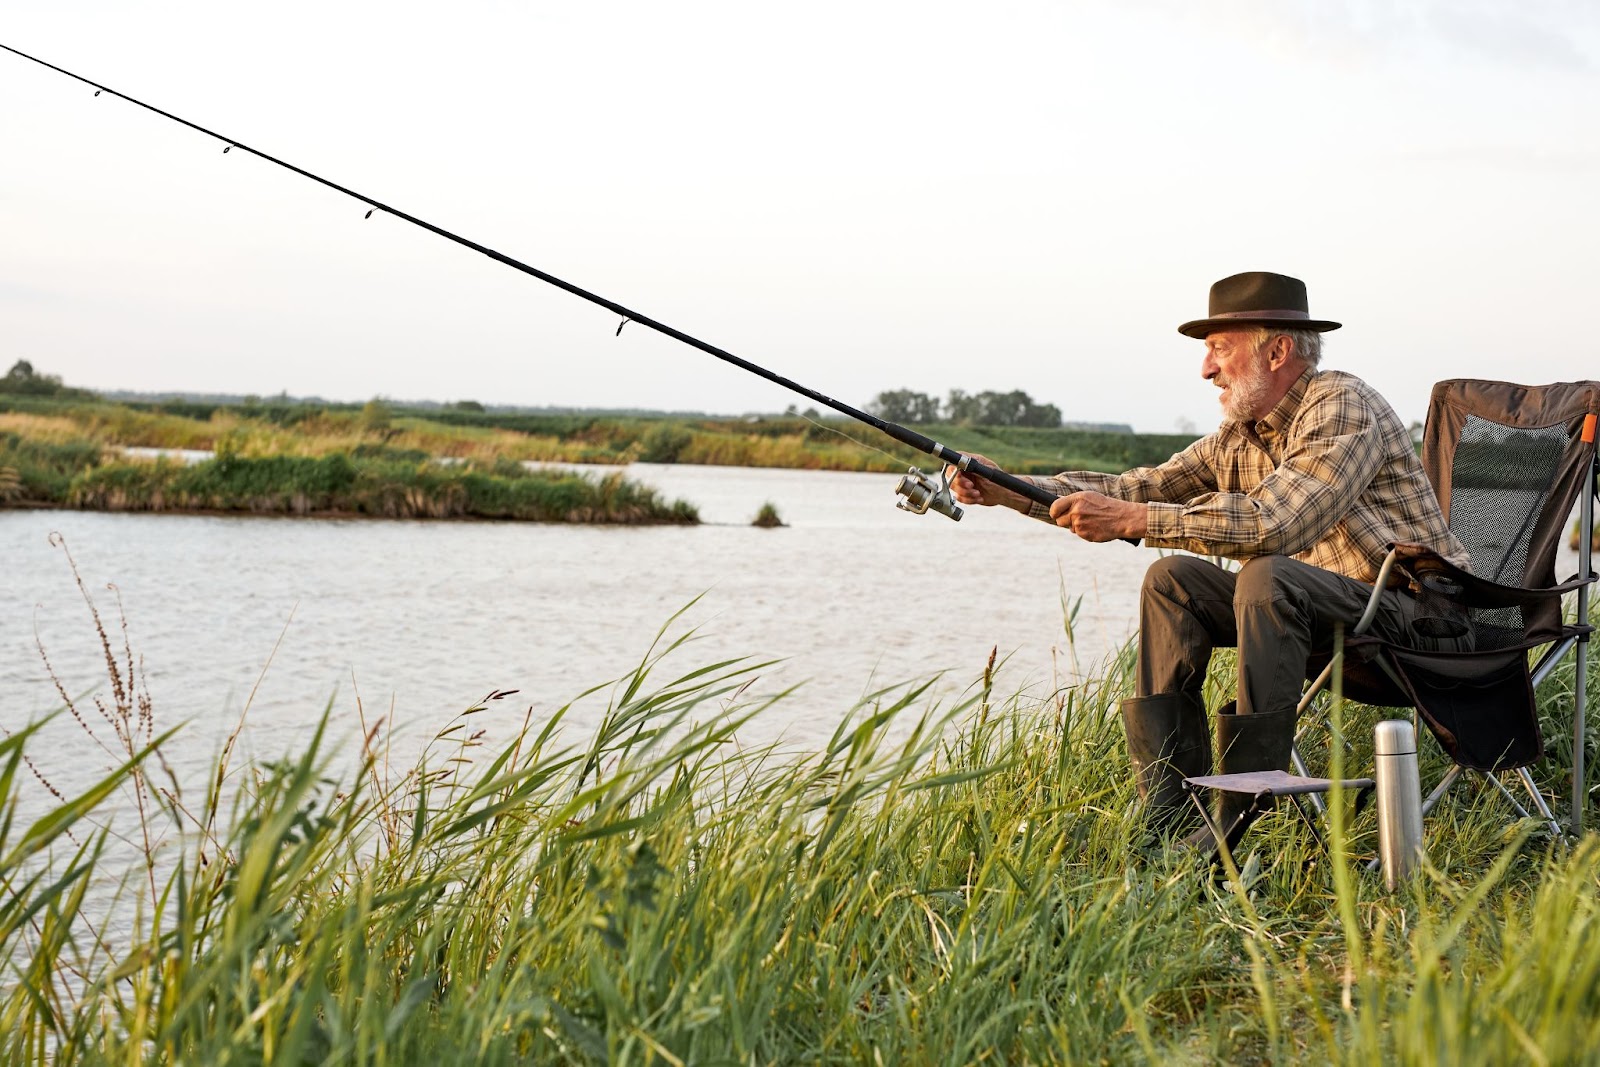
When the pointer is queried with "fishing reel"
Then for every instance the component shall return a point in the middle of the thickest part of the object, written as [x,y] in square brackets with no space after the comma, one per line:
[922,492]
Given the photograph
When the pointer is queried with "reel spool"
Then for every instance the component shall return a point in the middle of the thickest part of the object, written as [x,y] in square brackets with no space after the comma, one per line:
[920,492]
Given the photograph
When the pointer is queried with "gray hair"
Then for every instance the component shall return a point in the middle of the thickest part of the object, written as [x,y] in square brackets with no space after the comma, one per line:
[1307,343]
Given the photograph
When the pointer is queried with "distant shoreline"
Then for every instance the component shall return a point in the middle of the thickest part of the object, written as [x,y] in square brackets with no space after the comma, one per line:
[380,461]
[324,515]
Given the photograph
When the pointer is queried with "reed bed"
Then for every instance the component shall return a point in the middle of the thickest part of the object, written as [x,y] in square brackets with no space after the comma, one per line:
[41,469]
[372,485]
[935,884]
[377,480]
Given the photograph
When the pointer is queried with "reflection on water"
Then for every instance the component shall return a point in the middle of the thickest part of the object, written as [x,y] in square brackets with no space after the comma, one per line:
[419,619]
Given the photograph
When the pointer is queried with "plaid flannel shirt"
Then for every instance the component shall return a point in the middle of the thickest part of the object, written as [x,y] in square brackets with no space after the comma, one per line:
[1329,477]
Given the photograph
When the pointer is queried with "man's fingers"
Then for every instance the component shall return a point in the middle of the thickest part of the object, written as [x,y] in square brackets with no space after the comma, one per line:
[964,487]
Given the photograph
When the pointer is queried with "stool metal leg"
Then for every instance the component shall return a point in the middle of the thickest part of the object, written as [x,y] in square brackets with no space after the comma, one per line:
[1299,764]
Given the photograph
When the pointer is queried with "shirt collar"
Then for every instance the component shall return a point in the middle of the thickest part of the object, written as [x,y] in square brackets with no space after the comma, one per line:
[1279,418]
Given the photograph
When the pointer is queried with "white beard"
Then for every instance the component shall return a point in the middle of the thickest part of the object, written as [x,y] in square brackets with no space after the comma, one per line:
[1245,395]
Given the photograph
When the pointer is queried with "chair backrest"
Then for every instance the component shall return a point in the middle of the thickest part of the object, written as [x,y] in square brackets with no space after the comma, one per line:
[1508,462]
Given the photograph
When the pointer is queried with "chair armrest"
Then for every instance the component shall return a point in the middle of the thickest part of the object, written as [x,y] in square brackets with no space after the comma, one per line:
[1385,580]
[1416,560]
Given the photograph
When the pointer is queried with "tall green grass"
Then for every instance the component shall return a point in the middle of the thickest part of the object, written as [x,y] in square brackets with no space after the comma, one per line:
[934,884]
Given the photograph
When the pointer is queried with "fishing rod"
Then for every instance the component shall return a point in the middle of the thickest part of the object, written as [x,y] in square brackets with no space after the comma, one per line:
[921,492]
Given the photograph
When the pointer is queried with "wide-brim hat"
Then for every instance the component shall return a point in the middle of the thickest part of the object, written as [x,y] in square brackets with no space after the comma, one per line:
[1257,298]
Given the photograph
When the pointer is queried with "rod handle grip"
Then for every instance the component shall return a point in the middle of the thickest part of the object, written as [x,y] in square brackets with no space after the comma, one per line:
[1032,491]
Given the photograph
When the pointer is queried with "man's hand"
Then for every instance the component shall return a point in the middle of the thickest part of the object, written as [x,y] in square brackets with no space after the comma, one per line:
[1097,517]
[968,489]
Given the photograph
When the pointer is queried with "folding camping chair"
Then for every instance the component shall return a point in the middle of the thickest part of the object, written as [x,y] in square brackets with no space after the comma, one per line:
[1508,462]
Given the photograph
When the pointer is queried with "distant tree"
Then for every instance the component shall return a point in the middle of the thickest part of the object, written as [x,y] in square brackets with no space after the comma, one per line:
[23,380]
[989,408]
[375,415]
[1002,409]
[959,407]
[905,405]
[1046,415]
[468,405]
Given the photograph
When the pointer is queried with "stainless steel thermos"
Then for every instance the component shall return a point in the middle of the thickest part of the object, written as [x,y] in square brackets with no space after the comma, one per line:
[1394,743]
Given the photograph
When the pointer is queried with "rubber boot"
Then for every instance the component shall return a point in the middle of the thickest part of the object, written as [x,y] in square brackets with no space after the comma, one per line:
[1260,742]
[1168,741]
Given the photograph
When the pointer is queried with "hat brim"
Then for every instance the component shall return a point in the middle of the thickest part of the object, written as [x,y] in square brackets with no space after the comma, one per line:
[1199,328]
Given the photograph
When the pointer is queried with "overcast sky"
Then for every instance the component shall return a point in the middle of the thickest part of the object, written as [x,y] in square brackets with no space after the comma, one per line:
[861,196]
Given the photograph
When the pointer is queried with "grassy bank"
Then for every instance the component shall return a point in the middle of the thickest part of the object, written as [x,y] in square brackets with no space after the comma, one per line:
[931,886]
[370,480]
[301,459]
[777,441]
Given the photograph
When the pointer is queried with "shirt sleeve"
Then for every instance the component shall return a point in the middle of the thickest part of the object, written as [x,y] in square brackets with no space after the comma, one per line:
[1182,477]
[1331,453]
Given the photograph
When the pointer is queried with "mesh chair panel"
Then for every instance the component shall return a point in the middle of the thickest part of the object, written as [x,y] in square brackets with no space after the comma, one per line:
[1500,485]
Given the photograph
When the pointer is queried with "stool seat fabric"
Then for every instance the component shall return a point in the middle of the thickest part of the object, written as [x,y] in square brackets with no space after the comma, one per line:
[1272,783]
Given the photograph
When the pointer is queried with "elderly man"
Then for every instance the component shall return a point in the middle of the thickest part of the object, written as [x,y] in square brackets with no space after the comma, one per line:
[1308,479]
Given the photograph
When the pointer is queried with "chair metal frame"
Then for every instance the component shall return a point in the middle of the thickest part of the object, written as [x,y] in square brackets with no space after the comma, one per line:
[1576,637]
[1548,660]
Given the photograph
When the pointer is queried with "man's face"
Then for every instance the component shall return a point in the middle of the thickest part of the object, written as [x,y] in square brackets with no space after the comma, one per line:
[1237,365]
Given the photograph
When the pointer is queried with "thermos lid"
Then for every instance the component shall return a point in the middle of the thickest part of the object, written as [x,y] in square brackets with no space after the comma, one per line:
[1394,737]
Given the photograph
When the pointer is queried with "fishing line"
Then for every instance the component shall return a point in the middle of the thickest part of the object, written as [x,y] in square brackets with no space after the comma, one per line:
[921,491]
[847,437]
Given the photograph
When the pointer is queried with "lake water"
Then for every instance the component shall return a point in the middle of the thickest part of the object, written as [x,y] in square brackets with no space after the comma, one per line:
[418,620]
[421,619]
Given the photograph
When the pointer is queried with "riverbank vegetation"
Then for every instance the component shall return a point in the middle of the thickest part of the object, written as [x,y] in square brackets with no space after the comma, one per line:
[66,449]
[805,441]
[46,465]
[933,885]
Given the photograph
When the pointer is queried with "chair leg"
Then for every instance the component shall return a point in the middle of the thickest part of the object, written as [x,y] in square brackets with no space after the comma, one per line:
[1450,778]
[1539,802]
[1312,690]
[1511,798]
[1580,795]
[1546,816]
[1591,489]
[1441,789]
